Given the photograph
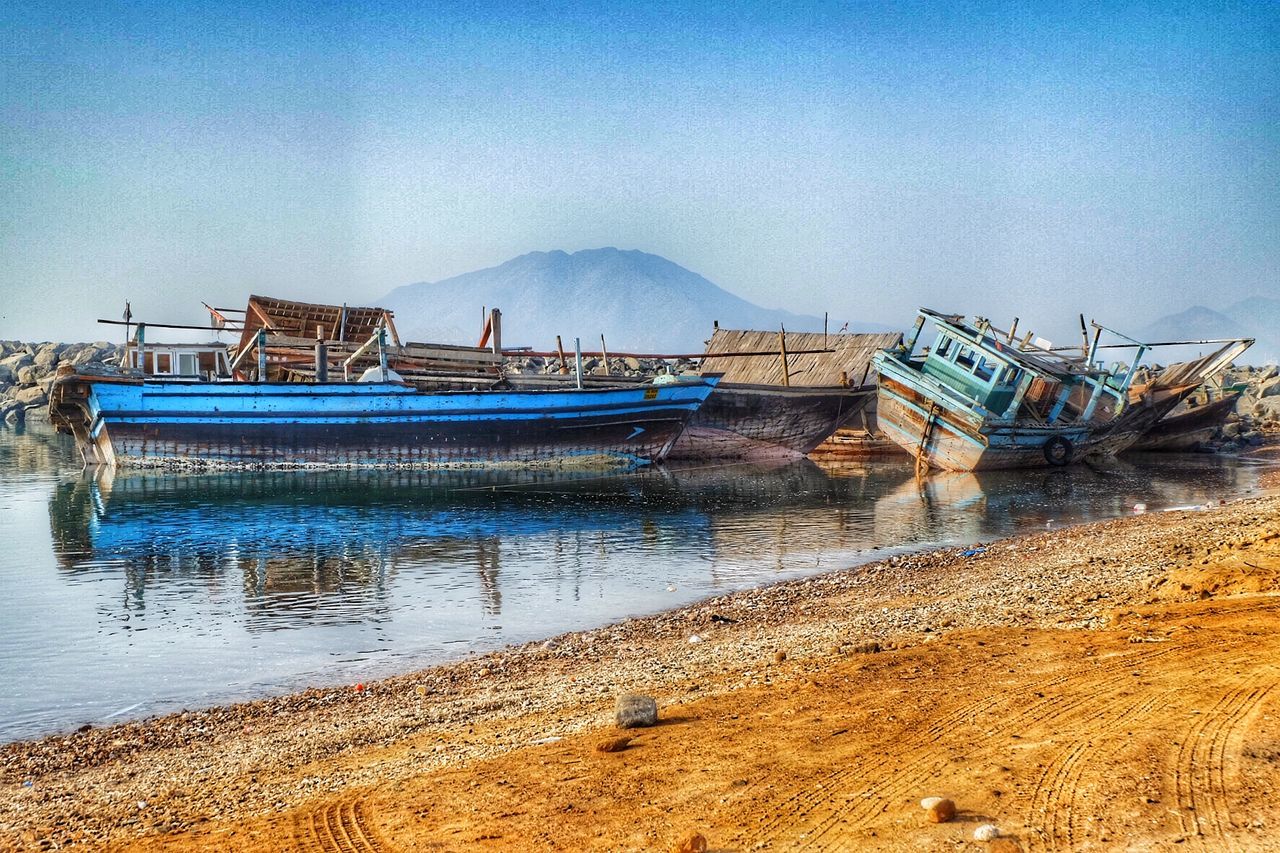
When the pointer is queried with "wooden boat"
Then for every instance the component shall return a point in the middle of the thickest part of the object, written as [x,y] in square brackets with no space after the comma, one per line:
[1188,428]
[859,438]
[745,421]
[784,405]
[979,399]
[382,424]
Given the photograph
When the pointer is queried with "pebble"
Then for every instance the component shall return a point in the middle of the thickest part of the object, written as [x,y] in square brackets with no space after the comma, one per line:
[779,656]
[986,832]
[695,639]
[634,711]
[694,842]
[942,811]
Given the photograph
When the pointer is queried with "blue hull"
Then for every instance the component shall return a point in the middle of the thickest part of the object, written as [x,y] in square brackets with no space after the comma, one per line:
[373,425]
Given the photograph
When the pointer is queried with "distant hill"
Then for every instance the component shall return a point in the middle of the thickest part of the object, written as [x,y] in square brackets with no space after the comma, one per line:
[1257,317]
[641,302]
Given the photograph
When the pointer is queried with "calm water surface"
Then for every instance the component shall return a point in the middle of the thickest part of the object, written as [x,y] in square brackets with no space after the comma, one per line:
[131,594]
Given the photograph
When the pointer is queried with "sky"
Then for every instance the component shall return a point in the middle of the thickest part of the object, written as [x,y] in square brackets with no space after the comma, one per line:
[1029,159]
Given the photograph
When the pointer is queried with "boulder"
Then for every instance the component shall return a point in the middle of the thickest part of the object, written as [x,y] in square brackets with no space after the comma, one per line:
[85,355]
[634,711]
[47,358]
[17,361]
[7,375]
[28,375]
[32,396]
[1270,388]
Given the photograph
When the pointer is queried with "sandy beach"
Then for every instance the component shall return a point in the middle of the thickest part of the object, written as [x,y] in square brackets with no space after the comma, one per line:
[1108,686]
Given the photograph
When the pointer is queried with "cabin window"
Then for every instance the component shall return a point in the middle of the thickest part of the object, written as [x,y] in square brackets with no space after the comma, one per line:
[188,364]
[943,347]
[964,358]
[164,362]
[984,370]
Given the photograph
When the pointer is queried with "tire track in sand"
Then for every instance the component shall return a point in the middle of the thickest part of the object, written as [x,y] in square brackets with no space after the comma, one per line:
[1199,774]
[852,796]
[1052,806]
[339,826]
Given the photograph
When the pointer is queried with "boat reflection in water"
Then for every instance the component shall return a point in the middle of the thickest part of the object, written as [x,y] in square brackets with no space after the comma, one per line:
[174,591]
[983,505]
[315,546]
[310,546]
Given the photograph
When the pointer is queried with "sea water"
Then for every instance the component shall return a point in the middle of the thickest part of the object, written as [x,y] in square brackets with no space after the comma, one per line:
[128,594]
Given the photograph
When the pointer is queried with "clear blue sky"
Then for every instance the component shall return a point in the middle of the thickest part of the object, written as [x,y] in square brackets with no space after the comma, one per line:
[1038,159]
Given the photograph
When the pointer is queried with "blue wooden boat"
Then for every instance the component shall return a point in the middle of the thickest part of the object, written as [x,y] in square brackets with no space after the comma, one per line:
[126,421]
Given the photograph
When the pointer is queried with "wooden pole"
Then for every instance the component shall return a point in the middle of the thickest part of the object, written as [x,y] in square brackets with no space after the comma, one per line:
[495,328]
[564,366]
[262,355]
[577,360]
[782,348]
[322,356]
[604,351]
[1084,337]
[128,315]
[1013,330]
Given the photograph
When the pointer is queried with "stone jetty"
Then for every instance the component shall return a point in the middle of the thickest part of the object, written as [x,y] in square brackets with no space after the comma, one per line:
[28,369]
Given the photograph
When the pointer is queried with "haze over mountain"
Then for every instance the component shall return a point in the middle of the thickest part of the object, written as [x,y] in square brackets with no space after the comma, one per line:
[1256,317]
[639,301]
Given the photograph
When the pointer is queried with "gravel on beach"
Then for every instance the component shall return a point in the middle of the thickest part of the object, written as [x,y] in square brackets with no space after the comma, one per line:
[176,772]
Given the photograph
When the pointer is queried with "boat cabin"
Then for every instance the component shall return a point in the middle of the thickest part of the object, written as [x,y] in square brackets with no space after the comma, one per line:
[179,361]
[1012,379]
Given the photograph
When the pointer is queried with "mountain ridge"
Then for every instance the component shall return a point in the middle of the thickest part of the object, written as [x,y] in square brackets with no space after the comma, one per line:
[639,301]
[1255,317]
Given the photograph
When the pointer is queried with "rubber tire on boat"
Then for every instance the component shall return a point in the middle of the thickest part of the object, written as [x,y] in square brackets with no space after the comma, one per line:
[1057,450]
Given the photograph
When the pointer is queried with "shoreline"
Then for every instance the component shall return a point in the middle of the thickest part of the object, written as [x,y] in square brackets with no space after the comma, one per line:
[197,771]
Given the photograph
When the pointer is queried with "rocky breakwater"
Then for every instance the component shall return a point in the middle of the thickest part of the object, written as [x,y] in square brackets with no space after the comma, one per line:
[595,365]
[1256,419]
[28,369]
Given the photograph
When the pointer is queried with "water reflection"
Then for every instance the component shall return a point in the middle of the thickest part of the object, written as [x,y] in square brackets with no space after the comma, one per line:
[296,538]
[160,590]
[307,546]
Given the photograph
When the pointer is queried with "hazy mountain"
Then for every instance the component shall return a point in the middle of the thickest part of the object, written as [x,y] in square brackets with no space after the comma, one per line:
[1257,317]
[641,302]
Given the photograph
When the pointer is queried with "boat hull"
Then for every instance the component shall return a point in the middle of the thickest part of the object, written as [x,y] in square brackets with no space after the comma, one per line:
[760,422]
[949,434]
[369,425]
[1190,429]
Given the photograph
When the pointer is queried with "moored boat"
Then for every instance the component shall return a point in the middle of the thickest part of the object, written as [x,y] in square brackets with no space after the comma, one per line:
[146,423]
[781,394]
[746,421]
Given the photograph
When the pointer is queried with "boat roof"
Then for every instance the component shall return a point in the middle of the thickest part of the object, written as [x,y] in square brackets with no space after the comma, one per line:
[1023,353]
[293,319]
[850,354]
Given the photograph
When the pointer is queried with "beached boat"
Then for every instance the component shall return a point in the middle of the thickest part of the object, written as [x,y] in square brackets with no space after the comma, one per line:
[147,423]
[981,399]
[782,404]
[744,421]
[1188,428]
